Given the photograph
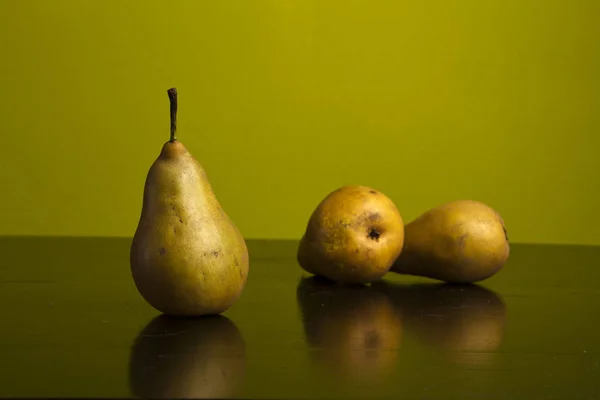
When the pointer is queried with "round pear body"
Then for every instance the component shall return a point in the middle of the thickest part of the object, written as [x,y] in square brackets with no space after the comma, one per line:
[463,241]
[353,236]
[187,256]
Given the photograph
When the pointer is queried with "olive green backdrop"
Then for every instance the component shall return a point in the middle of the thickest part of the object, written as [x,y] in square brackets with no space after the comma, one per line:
[284,101]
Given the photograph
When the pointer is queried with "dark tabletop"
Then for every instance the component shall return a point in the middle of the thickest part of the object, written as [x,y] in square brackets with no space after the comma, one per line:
[73,325]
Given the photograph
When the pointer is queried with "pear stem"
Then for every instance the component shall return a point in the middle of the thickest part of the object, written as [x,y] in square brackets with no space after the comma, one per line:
[173,103]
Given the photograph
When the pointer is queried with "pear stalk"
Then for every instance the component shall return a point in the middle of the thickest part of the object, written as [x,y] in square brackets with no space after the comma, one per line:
[173,102]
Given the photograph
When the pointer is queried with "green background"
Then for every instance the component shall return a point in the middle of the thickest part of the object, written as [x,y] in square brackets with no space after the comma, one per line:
[283,101]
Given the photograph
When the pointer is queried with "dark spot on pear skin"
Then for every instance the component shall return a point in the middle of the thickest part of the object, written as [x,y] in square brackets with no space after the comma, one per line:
[162,251]
[374,217]
[372,191]
[366,219]
[180,220]
[215,253]
[236,262]
[374,234]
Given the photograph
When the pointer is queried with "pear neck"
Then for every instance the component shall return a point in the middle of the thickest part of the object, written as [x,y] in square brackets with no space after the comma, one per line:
[173,149]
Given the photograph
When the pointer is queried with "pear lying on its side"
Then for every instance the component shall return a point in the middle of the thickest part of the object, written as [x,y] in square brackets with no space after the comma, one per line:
[187,256]
[459,242]
[353,236]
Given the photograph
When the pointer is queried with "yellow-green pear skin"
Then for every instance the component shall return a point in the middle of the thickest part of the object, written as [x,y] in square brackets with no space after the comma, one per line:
[353,236]
[463,241]
[187,256]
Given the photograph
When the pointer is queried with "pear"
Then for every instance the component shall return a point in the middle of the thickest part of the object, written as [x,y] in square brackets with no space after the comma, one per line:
[187,256]
[353,236]
[463,241]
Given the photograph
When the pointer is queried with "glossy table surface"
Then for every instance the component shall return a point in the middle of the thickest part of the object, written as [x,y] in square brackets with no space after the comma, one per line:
[73,325]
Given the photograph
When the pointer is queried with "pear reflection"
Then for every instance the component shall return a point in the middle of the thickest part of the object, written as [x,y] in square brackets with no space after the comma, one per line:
[353,330]
[187,358]
[467,321]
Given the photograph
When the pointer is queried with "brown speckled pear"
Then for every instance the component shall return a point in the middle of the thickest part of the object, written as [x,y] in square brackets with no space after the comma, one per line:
[353,236]
[187,256]
[463,241]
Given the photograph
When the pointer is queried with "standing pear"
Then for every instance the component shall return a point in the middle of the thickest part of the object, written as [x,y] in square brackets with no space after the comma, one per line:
[187,256]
